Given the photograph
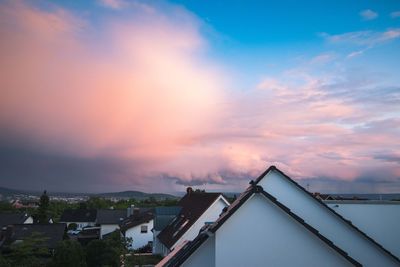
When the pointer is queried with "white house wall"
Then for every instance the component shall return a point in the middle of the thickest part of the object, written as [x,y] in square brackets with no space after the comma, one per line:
[327,223]
[381,221]
[260,234]
[140,239]
[28,220]
[107,228]
[204,255]
[210,215]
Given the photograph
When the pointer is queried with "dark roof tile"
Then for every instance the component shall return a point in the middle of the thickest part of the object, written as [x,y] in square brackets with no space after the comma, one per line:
[193,205]
[78,215]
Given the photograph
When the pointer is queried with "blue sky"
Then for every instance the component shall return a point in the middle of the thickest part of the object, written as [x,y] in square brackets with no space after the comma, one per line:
[159,95]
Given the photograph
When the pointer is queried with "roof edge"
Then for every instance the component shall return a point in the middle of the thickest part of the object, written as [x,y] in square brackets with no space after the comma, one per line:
[274,168]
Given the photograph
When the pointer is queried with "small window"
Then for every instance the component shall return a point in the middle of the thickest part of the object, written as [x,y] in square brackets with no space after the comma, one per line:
[143,229]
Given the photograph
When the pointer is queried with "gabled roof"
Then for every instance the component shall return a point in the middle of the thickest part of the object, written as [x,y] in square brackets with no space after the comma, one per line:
[193,204]
[78,215]
[136,219]
[12,218]
[164,215]
[188,249]
[110,216]
[52,233]
[273,168]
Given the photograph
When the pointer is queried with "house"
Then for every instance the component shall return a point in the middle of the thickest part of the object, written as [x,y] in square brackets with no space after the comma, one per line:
[109,220]
[379,219]
[276,222]
[197,209]
[328,222]
[81,217]
[162,217]
[138,228]
[14,218]
[50,234]
[88,234]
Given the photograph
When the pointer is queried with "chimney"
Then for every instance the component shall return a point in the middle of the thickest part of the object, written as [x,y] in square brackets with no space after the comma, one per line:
[129,210]
[189,190]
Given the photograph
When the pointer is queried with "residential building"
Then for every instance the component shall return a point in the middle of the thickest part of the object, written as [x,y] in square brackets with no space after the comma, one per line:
[109,220]
[14,218]
[276,222]
[379,219]
[81,217]
[137,227]
[162,217]
[51,234]
[197,209]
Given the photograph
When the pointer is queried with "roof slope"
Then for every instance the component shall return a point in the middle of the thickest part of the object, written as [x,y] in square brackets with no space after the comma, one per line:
[78,215]
[188,249]
[193,204]
[52,233]
[136,219]
[12,218]
[273,168]
[164,215]
[105,216]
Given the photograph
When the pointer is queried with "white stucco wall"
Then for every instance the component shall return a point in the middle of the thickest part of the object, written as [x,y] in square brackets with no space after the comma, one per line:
[28,220]
[140,239]
[204,255]
[107,228]
[210,215]
[381,221]
[328,224]
[261,234]
[157,245]
[81,225]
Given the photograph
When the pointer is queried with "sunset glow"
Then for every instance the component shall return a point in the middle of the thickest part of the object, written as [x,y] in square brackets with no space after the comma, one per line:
[154,96]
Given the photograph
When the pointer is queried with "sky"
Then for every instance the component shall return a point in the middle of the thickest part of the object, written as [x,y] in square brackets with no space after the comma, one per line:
[113,95]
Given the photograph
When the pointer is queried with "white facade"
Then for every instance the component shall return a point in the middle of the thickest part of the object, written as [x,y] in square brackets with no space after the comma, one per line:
[139,237]
[261,234]
[210,215]
[28,220]
[107,228]
[81,225]
[326,222]
[378,219]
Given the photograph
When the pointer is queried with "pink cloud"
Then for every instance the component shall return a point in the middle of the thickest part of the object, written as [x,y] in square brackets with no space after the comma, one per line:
[143,91]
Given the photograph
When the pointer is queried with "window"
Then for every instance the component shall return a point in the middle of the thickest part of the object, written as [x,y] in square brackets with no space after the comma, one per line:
[143,229]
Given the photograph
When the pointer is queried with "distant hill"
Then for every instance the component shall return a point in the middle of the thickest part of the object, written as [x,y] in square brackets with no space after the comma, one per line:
[137,195]
[8,192]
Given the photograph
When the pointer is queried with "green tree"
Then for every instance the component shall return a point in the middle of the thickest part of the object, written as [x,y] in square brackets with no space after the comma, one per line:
[69,253]
[98,254]
[44,203]
[31,252]
[4,262]
[106,252]
[72,226]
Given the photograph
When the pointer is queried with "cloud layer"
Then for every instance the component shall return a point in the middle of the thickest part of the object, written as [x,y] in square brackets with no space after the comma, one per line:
[137,102]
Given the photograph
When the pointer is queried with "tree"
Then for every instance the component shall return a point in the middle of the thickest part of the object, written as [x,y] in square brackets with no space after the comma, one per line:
[98,253]
[106,252]
[72,226]
[43,208]
[69,253]
[4,262]
[30,252]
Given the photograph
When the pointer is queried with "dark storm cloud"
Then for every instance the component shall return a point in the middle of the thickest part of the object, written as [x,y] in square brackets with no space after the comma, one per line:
[27,166]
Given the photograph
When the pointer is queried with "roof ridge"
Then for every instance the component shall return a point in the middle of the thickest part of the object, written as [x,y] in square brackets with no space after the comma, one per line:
[272,167]
[182,255]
